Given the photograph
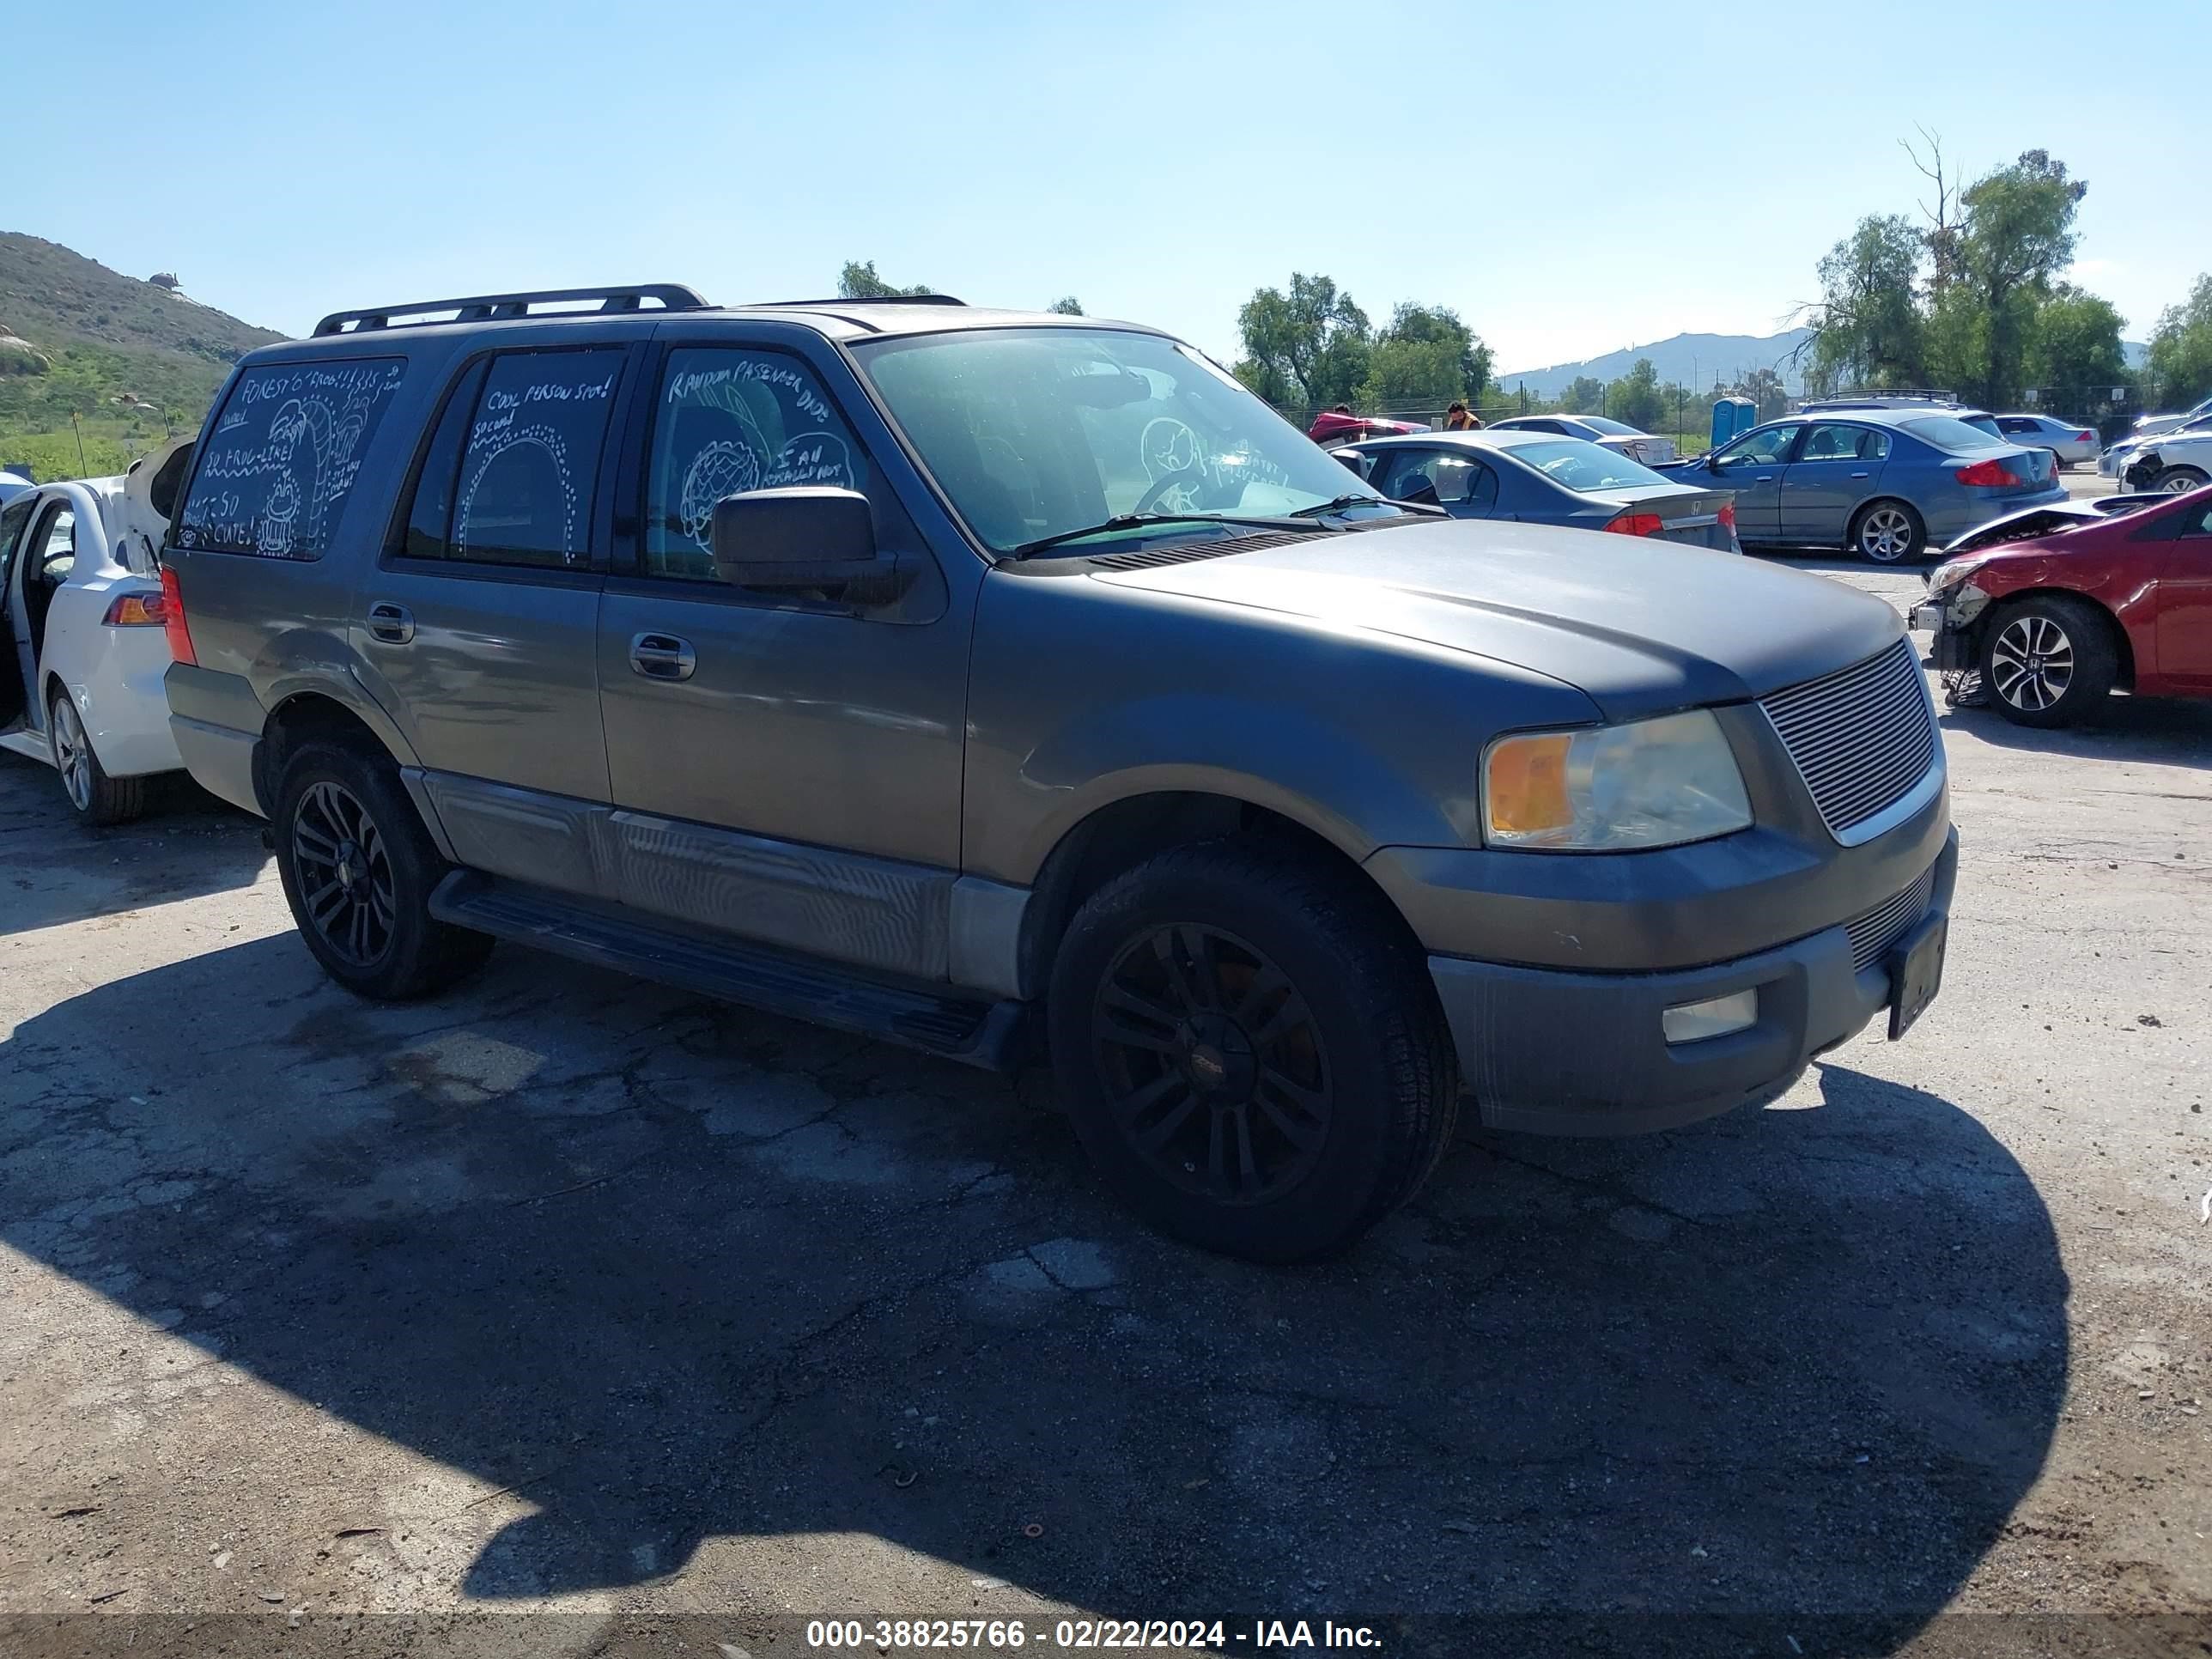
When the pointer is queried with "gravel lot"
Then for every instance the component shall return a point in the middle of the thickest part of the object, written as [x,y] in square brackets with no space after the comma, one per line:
[570,1294]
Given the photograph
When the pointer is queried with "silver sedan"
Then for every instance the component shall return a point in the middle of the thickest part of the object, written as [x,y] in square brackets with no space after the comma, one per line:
[2070,444]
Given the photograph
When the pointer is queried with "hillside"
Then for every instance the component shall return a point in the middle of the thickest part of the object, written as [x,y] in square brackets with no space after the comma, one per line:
[132,361]
[1690,360]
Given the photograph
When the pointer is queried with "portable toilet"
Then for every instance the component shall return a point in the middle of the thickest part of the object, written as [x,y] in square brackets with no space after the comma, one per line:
[1733,417]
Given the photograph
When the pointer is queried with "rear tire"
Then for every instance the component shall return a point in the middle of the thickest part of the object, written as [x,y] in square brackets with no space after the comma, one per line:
[358,868]
[1888,531]
[2048,660]
[1250,1050]
[97,800]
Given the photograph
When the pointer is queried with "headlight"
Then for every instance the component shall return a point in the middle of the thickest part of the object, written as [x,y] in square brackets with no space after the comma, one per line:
[1614,789]
[1946,576]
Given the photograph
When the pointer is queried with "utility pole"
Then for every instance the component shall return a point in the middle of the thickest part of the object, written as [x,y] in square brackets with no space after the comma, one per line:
[82,468]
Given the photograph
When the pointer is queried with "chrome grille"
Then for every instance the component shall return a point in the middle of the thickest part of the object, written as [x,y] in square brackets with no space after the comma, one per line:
[1872,934]
[1861,737]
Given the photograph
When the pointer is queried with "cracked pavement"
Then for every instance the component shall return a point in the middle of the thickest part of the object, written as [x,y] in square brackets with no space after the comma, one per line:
[571,1292]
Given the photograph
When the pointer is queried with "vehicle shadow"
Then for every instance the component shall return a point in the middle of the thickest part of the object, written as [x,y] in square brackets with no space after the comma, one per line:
[667,1273]
[54,870]
[2158,730]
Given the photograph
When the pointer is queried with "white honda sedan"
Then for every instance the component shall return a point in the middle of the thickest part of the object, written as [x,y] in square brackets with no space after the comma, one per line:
[86,647]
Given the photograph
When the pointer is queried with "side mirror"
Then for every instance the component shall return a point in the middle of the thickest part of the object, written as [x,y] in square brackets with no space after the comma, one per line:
[1352,460]
[799,538]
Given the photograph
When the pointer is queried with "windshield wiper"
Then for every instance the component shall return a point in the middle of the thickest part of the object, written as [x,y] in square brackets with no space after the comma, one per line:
[1421,508]
[1132,521]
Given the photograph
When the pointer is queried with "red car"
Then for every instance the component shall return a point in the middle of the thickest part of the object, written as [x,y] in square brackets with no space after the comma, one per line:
[1329,428]
[2053,609]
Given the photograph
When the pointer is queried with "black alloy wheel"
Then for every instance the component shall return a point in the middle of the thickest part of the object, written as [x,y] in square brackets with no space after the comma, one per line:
[1213,1064]
[345,874]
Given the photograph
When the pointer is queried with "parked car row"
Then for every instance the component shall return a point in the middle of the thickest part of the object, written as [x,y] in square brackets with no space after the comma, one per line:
[1001,684]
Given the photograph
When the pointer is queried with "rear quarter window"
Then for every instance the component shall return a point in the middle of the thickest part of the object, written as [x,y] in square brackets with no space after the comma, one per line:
[275,473]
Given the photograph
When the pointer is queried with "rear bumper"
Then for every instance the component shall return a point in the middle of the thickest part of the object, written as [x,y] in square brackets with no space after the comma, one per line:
[1561,1053]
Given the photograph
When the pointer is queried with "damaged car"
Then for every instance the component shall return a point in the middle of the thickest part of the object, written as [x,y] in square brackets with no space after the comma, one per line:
[2042,615]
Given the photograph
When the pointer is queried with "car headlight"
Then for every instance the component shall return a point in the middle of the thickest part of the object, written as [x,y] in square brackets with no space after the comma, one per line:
[1614,789]
[1946,576]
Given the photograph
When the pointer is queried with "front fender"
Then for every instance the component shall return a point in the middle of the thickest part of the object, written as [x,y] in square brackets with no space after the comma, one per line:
[1270,756]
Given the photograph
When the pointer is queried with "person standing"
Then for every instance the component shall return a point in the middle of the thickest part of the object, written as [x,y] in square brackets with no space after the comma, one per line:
[1460,418]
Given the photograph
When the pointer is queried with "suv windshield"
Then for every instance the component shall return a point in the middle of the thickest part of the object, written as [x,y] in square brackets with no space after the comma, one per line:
[1581,466]
[1035,433]
[1946,434]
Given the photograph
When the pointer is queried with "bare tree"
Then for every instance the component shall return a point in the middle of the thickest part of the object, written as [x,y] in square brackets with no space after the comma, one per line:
[1943,232]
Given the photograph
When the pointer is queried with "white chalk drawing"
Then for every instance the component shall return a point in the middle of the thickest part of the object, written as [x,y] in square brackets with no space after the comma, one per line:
[742,457]
[283,457]
[721,469]
[1169,447]
[515,444]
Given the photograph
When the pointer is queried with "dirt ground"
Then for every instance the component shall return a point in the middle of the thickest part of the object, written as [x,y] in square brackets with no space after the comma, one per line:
[570,1297]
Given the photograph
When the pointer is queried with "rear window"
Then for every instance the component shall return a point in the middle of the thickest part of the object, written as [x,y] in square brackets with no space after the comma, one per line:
[1581,466]
[1953,436]
[275,473]
[1612,428]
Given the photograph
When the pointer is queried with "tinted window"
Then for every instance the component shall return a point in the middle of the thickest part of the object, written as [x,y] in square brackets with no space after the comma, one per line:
[531,466]
[1443,478]
[728,420]
[1581,466]
[2017,423]
[275,474]
[431,517]
[1944,433]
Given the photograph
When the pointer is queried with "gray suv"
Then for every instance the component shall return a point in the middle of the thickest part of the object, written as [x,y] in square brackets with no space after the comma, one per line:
[988,681]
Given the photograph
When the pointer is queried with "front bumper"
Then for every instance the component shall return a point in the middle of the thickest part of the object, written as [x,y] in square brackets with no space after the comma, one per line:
[1562,1053]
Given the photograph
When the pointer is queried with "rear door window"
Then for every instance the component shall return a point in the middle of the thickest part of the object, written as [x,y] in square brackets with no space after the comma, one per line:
[512,474]
[274,475]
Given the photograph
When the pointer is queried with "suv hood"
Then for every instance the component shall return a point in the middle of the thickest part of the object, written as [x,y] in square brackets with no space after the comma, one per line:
[1640,626]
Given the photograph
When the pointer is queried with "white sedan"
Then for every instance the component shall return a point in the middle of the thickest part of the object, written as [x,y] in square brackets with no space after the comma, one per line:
[80,598]
[1616,435]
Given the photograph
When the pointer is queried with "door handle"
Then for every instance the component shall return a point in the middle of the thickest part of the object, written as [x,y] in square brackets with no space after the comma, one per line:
[1861,474]
[662,657]
[1762,477]
[394,624]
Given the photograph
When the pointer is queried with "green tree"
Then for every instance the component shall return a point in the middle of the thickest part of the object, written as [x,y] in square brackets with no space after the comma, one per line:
[1867,328]
[2016,234]
[1066,306]
[2181,347]
[1423,359]
[2074,343]
[1307,346]
[858,281]
[1635,398]
[1585,395]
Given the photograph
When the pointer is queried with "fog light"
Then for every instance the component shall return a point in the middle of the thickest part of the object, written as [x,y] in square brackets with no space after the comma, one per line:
[1694,1021]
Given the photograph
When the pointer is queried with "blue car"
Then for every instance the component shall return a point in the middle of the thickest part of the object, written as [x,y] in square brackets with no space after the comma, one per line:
[1884,484]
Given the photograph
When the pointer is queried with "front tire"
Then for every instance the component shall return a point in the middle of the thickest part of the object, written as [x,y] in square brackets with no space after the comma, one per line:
[97,799]
[2049,661]
[2180,480]
[1251,1050]
[358,868]
[1888,532]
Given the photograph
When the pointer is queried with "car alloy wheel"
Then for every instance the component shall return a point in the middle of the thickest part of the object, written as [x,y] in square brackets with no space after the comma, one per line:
[72,754]
[1885,535]
[1213,1065]
[345,874]
[2179,481]
[2032,663]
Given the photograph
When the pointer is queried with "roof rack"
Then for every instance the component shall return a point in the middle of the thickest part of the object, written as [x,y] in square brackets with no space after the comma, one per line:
[872,299]
[480,307]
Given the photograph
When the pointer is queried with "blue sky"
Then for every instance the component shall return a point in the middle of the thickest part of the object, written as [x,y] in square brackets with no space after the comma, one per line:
[1545,170]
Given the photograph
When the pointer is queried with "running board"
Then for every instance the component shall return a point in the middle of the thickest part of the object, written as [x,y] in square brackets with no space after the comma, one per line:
[974,1032]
